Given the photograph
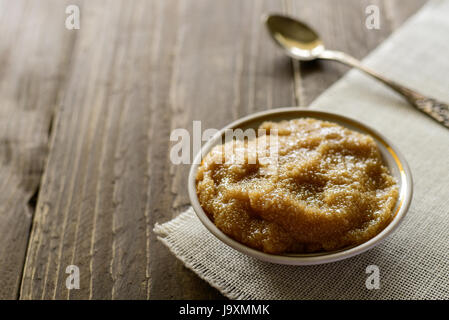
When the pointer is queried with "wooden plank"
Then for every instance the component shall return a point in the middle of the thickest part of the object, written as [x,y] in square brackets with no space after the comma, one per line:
[222,74]
[139,70]
[80,217]
[341,24]
[34,53]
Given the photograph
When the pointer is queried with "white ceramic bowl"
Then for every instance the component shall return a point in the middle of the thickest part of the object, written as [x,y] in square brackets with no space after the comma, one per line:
[391,156]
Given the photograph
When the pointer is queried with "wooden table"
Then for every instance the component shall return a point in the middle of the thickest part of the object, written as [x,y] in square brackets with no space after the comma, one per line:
[86,115]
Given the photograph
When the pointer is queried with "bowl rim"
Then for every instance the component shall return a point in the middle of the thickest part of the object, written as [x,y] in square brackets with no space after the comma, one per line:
[404,199]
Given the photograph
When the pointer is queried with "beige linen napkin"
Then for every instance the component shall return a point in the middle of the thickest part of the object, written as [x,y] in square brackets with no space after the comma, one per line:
[414,261]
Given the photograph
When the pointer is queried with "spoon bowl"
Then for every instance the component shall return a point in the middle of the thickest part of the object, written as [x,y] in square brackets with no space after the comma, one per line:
[297,39]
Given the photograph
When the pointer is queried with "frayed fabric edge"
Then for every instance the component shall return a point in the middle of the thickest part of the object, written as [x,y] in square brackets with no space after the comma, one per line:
[165,230]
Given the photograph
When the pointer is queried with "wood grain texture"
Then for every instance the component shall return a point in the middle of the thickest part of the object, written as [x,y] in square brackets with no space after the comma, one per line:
[34,52]
[136,71]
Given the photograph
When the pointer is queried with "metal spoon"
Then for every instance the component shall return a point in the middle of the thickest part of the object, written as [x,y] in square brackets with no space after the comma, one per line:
[301,42]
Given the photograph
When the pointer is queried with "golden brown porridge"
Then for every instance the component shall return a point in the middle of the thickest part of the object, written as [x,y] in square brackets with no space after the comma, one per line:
[330,189]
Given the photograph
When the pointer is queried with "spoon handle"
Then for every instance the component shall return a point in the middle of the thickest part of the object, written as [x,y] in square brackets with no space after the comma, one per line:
[437,110]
